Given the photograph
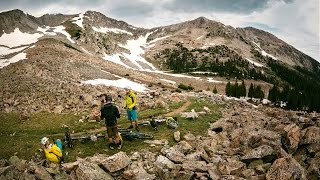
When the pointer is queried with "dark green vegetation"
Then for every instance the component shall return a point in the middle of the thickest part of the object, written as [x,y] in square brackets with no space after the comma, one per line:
[236,90]
[297,86]
[23,136]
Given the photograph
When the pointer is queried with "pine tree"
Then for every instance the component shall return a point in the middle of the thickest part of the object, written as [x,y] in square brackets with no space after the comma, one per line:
[236,90]
[228,89]
[243,89]
[251,91]
[215,91]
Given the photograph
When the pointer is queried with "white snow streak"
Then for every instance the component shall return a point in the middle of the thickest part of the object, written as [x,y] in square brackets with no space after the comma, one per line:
[5,50]
[169,81]
[14,59]
[135,47]
[114,30]
[78,20]
[255,63]
[158,39]
[199,37]
[61,29]
[264,53]
[214,81]
[115,58]
[18,38]
[45,29]
[121,83]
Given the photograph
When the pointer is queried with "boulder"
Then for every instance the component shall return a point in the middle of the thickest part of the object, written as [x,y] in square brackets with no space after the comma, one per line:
[136,172]
[116,162]
[20,164]
[62,176]
[291,137]
[310,135]
[89,170]
[41,173]
[248,173]
[3,163]
[213,171]
[70,166]
[176,136]
[189,137]
[174,155]
[206,109]
[157,142]
[164,163]
[263,151]
[195,166]
[4,170]
[285,169]
[190,115]
[314,167]
[231,166]
[58,109]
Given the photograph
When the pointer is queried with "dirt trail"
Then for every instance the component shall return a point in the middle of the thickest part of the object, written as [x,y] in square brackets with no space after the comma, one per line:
[180,109]
[172,113]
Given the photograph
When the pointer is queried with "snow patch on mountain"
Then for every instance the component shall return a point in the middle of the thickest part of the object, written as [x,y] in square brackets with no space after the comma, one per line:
[78,20]
[6,51]
[169,81]
[136,50]
[115,58]
[14,59]
[83,49]
[121,83]
[18,38]
[61,29]
[158,39]
[45,30]
[200,37]
[255,63]
[214,81]
[263,52]
[114,30]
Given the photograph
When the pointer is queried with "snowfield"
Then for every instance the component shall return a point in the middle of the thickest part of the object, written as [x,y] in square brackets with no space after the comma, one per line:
[121,83]
[18,38]
[14,59]
[78,20]
[114,30]
[264,53]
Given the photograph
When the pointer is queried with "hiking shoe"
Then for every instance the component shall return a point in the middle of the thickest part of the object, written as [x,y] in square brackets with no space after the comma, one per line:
[130,127]
[119,145]
[111,146]
[138,129]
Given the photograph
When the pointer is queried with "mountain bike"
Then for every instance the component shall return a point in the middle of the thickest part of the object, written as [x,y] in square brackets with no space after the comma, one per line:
[131,135]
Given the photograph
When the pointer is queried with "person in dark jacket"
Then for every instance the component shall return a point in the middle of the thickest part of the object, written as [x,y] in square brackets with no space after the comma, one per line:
[110,113]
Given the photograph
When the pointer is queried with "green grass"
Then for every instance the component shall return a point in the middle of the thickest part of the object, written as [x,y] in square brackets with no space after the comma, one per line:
[26,140]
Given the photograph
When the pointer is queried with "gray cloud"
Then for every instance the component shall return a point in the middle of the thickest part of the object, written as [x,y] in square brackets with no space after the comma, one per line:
[232,6]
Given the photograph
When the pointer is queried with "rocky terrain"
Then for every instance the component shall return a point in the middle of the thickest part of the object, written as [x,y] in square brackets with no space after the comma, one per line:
[248,142]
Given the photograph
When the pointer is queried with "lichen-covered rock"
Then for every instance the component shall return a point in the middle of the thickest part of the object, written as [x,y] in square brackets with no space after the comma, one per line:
[286,168]
[89,170]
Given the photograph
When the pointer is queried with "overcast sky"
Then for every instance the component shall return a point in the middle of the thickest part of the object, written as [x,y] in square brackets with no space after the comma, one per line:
[294,21]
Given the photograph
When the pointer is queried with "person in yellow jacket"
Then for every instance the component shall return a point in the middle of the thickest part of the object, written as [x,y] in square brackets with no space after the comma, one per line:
[130,105]
[53,152]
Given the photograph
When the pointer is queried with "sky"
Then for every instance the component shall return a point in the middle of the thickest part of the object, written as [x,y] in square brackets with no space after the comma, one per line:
[294,21]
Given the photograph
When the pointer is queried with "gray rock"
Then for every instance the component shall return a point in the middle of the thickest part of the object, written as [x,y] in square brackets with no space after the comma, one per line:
[195,166]
[88,170]
[248,173]
[310,135]
[314,167]
[62,176]
[174,155]
[164,163]
[196,156]
[291,137]
[157,142]
[184,147]
[20,164]
[41,173]
[4,170]
[258,153]
[189,137]
[213,171]
[58,109]
[116,162]
[231,166]
[176,136]
[286,168]
[27,176]
[190,115]
[136,172]
[3,163]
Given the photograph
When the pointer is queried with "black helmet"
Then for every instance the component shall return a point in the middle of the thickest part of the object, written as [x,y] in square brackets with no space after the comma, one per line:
[108,98]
